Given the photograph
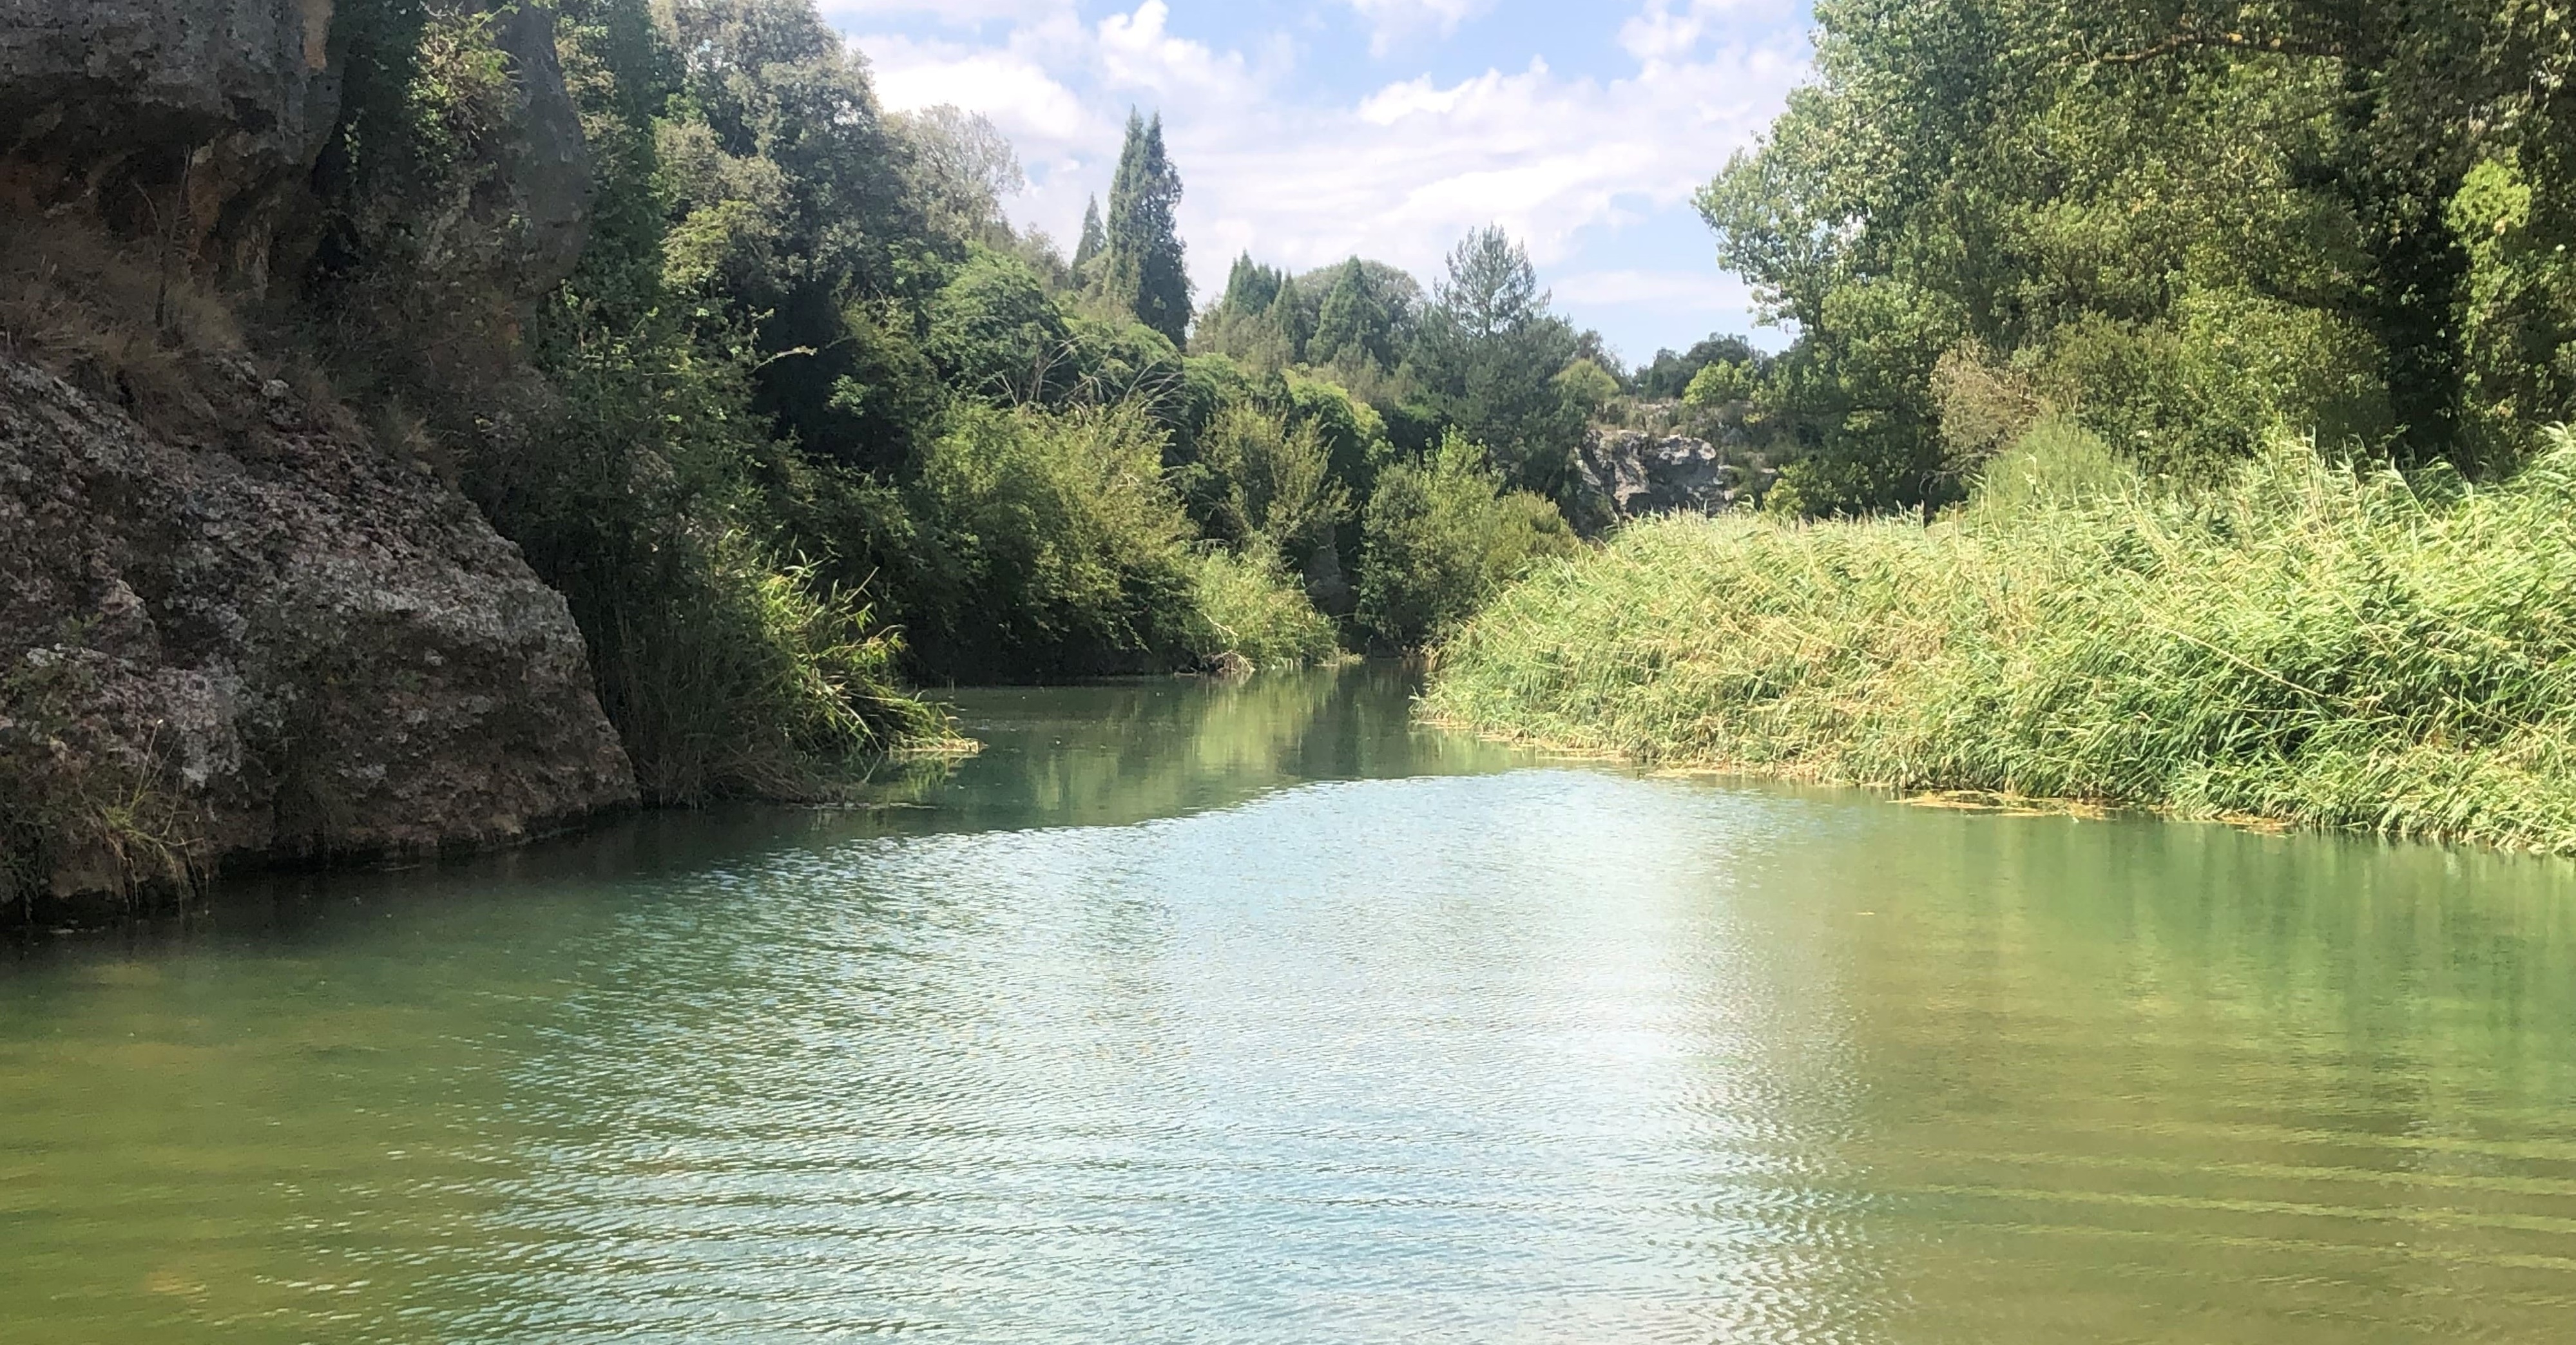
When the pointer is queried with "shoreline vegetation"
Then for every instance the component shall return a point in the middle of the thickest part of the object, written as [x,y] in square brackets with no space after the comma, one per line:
[2308,643]
[2168,423]
[760,377]
[2164,419]
[811,422]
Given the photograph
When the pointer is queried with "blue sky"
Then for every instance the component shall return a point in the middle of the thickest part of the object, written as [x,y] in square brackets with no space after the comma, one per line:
[1310,130]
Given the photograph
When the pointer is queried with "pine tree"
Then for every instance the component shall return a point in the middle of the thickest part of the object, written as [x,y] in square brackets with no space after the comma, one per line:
[1086,254]
[1353,321]
[1288,315]
[1251,288]
[1488,357]
[1147,270]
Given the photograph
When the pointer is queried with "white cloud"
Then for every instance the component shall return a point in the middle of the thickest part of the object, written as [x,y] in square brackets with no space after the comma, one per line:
[1399,172]
[1392,21]
[1136,52]
[1016,92]
[1669,30]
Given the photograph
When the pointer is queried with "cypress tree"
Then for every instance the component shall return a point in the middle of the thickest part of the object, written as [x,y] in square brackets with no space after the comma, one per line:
[1353,320]
[1288,315]
[1147,272]
[1094,241]
[1251,288]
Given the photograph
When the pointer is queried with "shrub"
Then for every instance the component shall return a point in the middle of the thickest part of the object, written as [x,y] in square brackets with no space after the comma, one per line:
[996,333]
[1267,484]
[747,678]
[2197,395]
[2519,327]
[727,672]
[1058,548]
[2056,462]
[1440,537]
[1254,607]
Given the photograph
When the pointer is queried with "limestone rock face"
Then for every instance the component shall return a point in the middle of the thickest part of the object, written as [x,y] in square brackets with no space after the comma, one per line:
[276,643]
[547,173]
[1638,475]
[127,106]
[202,121]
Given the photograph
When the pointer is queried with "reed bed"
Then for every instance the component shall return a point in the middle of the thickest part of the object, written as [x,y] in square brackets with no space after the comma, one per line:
[2305,644]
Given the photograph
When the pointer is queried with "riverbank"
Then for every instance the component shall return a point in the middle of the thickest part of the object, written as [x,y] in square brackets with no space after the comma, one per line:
[2303,645]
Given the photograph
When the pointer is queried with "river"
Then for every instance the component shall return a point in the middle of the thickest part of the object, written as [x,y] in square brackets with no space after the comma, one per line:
[1210,1014]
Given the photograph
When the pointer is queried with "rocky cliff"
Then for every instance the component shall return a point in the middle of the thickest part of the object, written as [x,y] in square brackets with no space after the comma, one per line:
[236,624]
[196,119]
[207,122]
[1635,474]
[287,646]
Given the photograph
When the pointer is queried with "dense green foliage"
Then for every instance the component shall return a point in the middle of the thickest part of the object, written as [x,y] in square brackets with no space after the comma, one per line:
[1444,536]
[2306,642]
[1669,376]
[1056,547]
[2209,311]
[1144,267]
[810,418]
[1488,356]
[2191,224]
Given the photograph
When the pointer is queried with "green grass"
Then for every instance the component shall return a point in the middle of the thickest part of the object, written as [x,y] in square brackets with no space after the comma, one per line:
[746,678]
[2306,644]
[1255,608]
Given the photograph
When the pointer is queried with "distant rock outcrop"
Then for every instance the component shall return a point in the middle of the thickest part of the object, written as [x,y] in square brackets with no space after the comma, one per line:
[1634,474]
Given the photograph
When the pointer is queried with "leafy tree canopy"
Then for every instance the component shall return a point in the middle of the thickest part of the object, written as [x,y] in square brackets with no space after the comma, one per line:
[2191,223]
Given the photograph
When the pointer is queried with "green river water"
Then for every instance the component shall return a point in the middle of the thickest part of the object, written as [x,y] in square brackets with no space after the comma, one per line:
[1205,1014]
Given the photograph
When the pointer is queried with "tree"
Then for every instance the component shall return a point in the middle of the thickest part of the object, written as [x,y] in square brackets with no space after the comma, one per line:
[1259,323]
[1251,288]
[1669,376]
[797,204]
[1489,352]
[995,333]
[1441,537]
[1146,270]
[1288,322]
[1354,322]
[2193,224]
[1586,386]
[963,169]
[1095,241]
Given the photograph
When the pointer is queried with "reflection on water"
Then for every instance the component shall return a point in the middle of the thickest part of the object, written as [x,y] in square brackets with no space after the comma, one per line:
[1192,1013]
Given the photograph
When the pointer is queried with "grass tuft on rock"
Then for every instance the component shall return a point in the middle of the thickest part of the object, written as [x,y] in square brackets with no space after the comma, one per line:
[2308,644]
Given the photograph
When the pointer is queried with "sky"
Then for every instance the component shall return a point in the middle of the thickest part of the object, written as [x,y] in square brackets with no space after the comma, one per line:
[1308,131]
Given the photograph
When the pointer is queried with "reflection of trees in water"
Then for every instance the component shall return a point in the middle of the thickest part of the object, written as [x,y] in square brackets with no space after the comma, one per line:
[1121,753]
[1112,755]
[903,781]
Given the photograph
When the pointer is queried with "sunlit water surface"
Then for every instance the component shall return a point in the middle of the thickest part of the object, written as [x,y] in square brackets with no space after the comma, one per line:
[1196,1014]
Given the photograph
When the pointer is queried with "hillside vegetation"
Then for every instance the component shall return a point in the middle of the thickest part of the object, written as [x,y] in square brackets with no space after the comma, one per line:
[810,421]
